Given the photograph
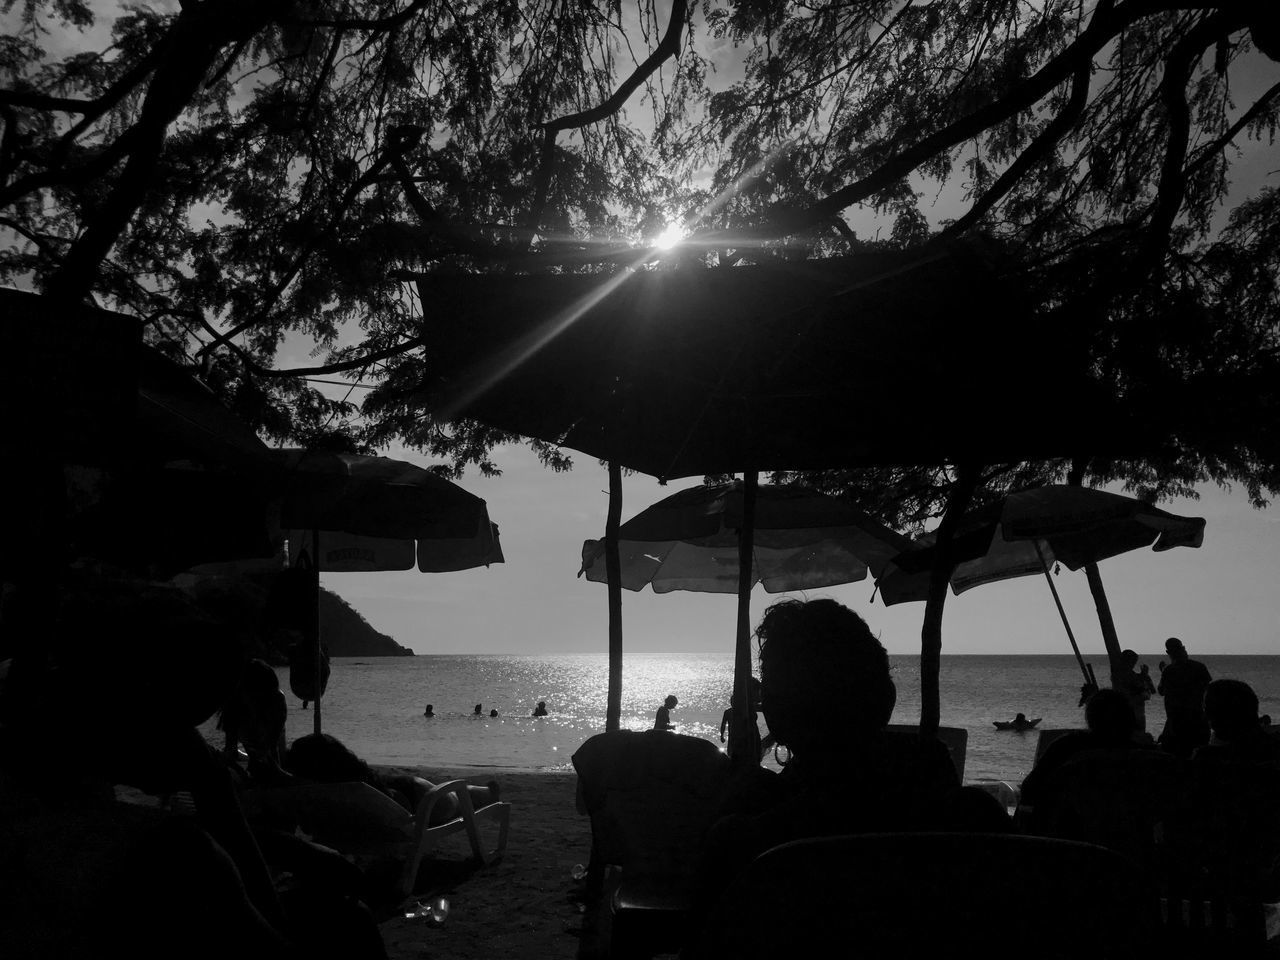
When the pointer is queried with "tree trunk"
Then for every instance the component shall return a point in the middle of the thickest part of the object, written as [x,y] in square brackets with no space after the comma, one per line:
[741,741]
[962,489]
[613,572]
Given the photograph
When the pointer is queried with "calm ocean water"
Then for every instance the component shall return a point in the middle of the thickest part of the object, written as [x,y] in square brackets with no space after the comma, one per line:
[375,705]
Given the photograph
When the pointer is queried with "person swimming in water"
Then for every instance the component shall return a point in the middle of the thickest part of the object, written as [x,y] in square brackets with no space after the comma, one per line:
[493,713]
[541,709]
[477,711]
[429,712]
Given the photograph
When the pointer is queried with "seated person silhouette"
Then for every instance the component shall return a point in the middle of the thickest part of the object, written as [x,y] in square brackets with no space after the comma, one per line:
[254,715]
[844,774]
[322,758]
[1110,725]
[1231,707]
[121,866]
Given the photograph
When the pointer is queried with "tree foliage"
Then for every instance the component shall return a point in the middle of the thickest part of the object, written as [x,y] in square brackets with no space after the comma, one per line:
[254,176]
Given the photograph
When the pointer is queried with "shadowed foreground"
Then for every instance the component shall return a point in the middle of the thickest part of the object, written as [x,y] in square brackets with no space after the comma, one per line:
[526,904]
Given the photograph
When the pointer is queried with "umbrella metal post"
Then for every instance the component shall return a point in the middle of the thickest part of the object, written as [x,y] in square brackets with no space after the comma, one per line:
[613,577]
[740,738]
[1084,669]
[315,632]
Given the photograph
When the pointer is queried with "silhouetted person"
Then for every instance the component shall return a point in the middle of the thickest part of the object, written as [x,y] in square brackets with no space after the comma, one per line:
[844,772]
[322,758]
[662,720]
[429,712]
[1182,684]
[1136,684]
[541,709]
[493,713]
[753,694]
[1231,709]
[478,710]
[255,716]
[1111,726]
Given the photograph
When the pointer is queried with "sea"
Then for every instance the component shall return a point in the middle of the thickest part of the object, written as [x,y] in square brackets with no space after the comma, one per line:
[375,705]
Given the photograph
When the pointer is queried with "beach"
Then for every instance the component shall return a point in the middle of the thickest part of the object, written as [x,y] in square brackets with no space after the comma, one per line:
[525,905]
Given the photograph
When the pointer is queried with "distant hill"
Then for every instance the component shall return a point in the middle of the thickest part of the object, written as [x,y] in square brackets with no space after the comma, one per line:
[348,634]
[247,603]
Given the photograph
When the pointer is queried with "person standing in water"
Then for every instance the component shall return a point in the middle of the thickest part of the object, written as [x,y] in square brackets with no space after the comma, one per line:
[429,712]
[663,719]
[478,710]
[541,709]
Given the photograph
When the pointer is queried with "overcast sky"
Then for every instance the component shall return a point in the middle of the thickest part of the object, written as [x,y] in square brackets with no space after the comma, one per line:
[1221,598]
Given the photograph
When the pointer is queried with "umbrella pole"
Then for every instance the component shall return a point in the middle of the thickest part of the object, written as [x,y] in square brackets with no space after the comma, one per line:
[740,739]
[1110,639]
[1062,613]
[613,576]
[315,633]
[962,489]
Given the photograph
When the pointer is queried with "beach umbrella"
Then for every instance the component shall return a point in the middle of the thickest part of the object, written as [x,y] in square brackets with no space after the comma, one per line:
[1026,531]
[689,541]
[695,539]
[347,512]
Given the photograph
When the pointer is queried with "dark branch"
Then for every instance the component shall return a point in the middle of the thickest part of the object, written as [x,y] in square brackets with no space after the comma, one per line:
[386,23]
[1103,27]
[669,46]
[41,101]
[1039,148]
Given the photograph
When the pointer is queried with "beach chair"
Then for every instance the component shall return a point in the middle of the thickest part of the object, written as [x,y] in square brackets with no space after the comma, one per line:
[955,739]
[359,820]
[910,895]
[651,797]
[1221,886]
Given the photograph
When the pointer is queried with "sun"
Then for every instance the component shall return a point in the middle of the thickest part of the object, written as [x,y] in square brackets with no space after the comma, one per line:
[669,237]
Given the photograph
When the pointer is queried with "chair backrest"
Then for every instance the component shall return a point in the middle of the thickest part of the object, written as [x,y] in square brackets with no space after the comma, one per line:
[1047,737]
[955,739]
[926,894]
[651,796]
[1119,799]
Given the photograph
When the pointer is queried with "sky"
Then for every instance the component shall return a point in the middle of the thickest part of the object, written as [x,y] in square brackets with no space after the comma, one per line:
[1220,598]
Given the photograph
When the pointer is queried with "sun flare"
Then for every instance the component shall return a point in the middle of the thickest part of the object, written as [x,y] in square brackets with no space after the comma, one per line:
[669,237]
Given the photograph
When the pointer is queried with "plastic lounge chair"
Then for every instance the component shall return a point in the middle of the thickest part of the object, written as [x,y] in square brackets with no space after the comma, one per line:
[955,739]
[652,797]
[910,895]
[356,819]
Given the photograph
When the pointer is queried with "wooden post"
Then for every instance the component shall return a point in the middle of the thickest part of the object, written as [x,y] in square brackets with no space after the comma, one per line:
[613,574]
[740,739]
[1110,639]
[958,499]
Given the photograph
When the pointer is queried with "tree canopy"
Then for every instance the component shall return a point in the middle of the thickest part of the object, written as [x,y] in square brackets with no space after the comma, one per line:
[247,177]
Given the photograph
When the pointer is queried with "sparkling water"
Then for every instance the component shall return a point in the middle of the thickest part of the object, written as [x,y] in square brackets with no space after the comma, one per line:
[375,705]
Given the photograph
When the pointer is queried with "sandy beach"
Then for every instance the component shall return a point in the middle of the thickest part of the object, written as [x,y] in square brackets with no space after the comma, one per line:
[525,905]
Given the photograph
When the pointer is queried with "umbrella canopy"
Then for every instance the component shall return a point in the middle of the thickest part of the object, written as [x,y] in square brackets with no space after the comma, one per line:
[776,366]
[1021,533]
[359,513]
[699,539]
[689,541]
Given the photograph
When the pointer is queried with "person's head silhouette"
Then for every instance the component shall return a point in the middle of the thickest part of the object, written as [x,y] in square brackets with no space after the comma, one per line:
[820,652]
[1109,716]
[671,702]
[1231,707]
